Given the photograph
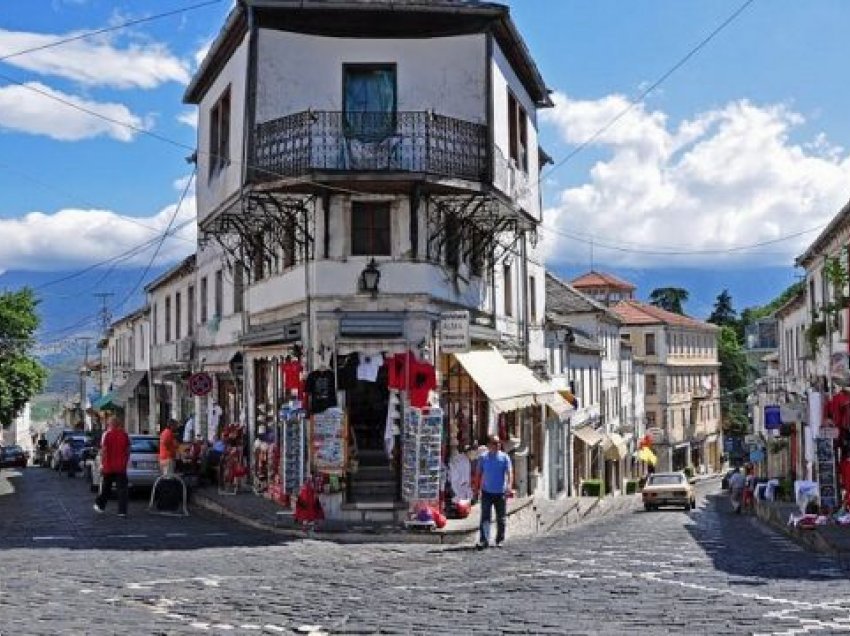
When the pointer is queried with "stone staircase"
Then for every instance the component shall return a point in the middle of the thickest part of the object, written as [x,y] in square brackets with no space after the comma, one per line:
[373,492]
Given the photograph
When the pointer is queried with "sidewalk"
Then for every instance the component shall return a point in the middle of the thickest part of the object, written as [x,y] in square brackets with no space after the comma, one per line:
[526,517]
[830,539]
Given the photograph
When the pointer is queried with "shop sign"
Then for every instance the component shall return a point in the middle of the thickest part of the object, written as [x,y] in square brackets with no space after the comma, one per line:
[200,384]
[454,332]
[655,434]
[757,456]
[772,417]
[751,439]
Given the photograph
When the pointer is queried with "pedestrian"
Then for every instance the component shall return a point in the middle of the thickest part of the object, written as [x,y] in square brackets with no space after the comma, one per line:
[66,452]
[496,475]
[114,457]
[168,448]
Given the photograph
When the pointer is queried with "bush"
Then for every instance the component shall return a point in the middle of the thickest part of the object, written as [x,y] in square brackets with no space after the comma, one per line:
[592,488]
[632,486]
[689,472]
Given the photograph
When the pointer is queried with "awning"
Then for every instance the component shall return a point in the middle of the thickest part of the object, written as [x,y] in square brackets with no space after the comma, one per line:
[569,397]
[508,387]
[217,359]
[106,402]
[588,435]
[615,447]
[126,390]
[545,393]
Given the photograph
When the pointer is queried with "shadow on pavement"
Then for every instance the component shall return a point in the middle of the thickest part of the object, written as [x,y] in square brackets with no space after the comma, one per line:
[741,545]
[43,509]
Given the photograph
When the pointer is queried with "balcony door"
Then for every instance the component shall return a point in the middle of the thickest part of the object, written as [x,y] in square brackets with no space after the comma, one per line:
[369,101]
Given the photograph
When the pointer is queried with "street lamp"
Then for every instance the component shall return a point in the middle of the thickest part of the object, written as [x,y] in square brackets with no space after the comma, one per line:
[370,278]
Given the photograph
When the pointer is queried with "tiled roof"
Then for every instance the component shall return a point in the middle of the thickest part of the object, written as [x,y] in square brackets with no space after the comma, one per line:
[563,298]
[634,312]
[601,279]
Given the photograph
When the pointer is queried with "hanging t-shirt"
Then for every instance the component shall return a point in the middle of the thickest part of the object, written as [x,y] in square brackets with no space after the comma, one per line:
[291,372]
[346,369]
[321,389]
[838,410]
[368,367]
[398,366]
[423,379]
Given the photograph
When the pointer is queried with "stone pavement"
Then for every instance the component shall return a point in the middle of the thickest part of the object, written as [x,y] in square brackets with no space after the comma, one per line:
[666,572]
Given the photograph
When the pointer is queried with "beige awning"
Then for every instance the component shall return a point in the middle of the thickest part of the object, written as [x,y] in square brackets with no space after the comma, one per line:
[615,447]
[588,435]
[509,387]
[545,393]
[217,359]
[128,390]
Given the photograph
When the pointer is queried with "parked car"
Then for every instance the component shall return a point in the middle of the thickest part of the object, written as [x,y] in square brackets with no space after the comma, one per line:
[13,457]
[143,467]
[668,489]
[42,454]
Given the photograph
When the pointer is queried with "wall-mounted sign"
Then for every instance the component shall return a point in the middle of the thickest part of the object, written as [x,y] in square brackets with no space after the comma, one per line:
[200,384]
[454,332]
[772,417]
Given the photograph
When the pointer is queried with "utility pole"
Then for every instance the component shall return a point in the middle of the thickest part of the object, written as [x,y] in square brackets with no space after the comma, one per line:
[105,318]
[84,369]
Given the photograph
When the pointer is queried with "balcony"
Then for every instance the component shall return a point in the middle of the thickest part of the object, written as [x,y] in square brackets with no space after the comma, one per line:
[403,142]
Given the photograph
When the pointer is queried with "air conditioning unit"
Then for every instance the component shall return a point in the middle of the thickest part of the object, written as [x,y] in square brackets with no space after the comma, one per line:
[184,351]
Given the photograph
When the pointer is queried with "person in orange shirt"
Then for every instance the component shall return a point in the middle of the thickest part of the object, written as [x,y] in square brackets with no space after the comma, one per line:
[168,448]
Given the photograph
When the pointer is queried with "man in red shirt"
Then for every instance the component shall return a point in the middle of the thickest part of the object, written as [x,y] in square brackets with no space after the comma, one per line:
[168,448]
[114,455]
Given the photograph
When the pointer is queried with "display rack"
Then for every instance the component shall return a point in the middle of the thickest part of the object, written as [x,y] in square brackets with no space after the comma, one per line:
[329,441]
[825,457]
[422,464]
[293,454]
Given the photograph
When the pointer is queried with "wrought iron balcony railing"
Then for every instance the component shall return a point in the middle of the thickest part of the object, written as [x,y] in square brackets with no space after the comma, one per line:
[333,141]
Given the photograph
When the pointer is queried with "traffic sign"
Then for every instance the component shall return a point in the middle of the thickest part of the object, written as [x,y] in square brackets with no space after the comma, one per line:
[200,384]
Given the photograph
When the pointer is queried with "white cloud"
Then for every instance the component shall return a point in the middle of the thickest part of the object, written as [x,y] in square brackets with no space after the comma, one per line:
[189,117]
[202,52]
[725,178]
[42,240]
[28,109]
[95,62]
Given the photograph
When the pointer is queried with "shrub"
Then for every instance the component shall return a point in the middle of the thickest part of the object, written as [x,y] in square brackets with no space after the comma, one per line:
[689,472]
[632,486]
[592,488]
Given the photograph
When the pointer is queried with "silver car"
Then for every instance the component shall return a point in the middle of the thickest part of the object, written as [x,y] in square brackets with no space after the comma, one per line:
[143,467]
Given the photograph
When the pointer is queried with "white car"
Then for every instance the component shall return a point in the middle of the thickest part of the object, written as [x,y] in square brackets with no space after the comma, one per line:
[668,489]
[143,467]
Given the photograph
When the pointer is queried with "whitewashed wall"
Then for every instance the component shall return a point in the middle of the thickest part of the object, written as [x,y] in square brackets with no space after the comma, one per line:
[228,327]
[297,72]
[212,191]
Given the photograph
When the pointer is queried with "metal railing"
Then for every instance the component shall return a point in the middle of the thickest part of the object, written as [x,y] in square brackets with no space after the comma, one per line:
[335,141]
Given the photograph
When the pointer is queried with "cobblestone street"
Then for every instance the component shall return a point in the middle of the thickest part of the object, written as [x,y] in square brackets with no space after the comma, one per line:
[67,570]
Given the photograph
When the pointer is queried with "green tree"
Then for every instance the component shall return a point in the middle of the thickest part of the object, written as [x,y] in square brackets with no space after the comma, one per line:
[734,376]
[21,375]
[723,315]
[669,298]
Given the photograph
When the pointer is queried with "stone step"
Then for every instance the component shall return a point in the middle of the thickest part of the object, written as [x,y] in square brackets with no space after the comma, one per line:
[377,473]
[362,488]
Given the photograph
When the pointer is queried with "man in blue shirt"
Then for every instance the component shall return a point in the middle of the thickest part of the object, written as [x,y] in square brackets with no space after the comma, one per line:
[496,475]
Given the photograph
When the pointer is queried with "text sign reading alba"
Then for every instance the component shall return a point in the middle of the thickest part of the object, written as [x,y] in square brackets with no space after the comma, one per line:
[454,332]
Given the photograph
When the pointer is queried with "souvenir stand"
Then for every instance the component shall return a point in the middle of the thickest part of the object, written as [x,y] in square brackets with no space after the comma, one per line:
[294,454]
[422,462]
[329,456]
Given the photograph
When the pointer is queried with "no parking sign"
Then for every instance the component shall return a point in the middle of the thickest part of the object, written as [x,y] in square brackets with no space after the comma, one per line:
[200,384]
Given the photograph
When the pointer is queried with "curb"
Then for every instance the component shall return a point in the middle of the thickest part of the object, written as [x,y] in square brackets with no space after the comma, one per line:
[809,539]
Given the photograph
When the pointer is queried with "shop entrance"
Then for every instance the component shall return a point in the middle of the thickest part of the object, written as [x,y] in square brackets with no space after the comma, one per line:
[367,415]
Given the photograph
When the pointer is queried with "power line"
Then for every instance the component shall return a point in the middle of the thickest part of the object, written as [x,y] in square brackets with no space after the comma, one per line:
[643,94]
[109,29]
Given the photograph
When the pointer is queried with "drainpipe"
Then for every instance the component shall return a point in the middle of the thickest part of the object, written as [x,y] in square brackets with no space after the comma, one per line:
[526,309]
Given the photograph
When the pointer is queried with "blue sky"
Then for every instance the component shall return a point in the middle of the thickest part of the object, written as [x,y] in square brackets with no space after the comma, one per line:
[746,143]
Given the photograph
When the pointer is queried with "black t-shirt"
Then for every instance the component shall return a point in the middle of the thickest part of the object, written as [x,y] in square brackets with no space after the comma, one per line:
[321,388]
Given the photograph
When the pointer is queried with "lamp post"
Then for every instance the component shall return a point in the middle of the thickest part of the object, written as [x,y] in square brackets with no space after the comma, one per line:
[566,336]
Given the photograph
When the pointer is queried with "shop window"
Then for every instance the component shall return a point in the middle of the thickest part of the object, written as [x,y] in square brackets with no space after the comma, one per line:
[369,101]
[370,229]
[219,134]
[650,344]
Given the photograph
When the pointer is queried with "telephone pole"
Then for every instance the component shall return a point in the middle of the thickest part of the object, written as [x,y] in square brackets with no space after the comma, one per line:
[104,313]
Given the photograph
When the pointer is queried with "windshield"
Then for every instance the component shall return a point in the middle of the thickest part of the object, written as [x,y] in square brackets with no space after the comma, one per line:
[144,445]
[665,480]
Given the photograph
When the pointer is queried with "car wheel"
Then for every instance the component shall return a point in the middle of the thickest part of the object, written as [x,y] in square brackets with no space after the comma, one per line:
[693,504]
[647,507]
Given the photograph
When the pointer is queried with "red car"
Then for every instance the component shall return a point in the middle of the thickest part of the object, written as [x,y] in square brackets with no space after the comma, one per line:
[13,457]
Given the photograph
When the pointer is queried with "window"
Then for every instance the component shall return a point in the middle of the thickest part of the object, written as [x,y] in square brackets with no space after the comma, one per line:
[168,318]
[509,292]
[650,419]
[141,342]
[204,303]
[155,325]
[650,344]
[219,292]
[178,311]
[453,240]
[190,310]
[532,298]
[220,134]
[369,101]
[238,288]
[370,229]
[651,384]
[517,132]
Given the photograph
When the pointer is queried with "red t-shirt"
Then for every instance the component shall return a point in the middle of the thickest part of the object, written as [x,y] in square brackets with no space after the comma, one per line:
[115,451]
[291,375]
[423,379]
[838,410]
